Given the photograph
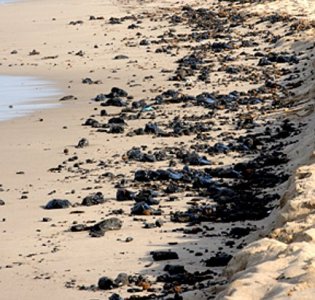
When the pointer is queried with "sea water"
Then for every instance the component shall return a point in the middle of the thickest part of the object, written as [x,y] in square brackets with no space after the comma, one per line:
[6,1]
[20,96]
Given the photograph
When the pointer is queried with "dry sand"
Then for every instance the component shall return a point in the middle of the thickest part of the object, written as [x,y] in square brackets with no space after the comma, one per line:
[38,259]
[280,265]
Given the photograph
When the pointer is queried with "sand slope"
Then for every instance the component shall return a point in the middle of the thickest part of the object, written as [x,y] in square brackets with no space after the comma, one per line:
[282,264]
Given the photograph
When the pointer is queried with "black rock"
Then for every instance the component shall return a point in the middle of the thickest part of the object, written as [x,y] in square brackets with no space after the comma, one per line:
[195,160]
[100,228]
[149,225]
[238,232]
[118,120]
[218,148]
[100,97]
[121,56]
[136,154]
[141,208]
[138,104]
[46,219]
[264,61]
[121,279]
[114,21]
[105,283]
[103,113]
[152,128]
[118,92]
[172,188]
[124,195]
[144,42]
[93,199]
[69,97]
[2,202]
[175,269]
[220,46]
[159,223]
[142,175]
[115,297]
[87,81]
[207,100]
[164,255]
[83,143]
[57,204]
[220,260]
[118,102]
[92,122]
[116,128]
[147,197]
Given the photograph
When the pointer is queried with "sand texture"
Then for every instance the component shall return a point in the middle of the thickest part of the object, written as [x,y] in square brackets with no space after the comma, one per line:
[180,151]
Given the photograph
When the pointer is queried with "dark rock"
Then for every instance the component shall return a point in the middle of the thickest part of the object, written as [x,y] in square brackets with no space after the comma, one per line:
[135,154]
[193,159]
[142,175]
[114,21]
[124,195]
[152,128]
[118,92]
[100,97]
[83,143]
[66,98]
[87,81]
[57,204]
[93,199]
[149,225]
[118,120]
[220,46]
[115,297]
[207,100]
[238,232]
[100,228]
[164,255]
[175,269]
[116,129]
[118,57]
[141,208]
[92,122]
[144,42]
[2,202]
[172,188]
[218,148]
[103,113]
[147,197]
[80,53]
[118,102]
[122,279]
[220,260]
[193,230]
[105,283]
[159,223]
[34,52]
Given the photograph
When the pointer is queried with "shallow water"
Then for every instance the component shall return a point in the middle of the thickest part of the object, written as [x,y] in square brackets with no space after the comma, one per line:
[6,1]
[20,96]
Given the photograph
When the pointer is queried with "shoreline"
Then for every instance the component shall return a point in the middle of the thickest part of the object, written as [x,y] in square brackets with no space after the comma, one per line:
[24,95]
[46,258]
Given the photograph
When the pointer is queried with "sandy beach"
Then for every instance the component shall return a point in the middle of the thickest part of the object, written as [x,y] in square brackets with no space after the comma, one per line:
[181,150]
